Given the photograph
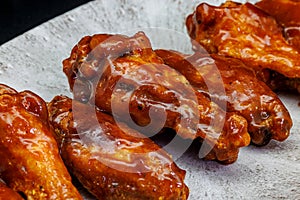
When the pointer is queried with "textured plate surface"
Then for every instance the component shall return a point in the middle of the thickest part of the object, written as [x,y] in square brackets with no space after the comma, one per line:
[33,61]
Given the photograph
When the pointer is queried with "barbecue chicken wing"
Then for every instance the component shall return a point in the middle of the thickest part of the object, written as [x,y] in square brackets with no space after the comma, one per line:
[245,32]
[266,115]
[123,76]
[7,193]
[113,162]
[286,13]
[30,161]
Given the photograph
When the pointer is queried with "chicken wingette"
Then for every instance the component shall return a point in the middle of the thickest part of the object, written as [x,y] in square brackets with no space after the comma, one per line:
[245,94]
[286,13]
[124,77]
[111,160]
[248,33]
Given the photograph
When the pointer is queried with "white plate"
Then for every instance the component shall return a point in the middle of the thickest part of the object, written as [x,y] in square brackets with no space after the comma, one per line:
[33,61]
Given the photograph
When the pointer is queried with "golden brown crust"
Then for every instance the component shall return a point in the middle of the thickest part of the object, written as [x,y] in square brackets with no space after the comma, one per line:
[113,163]
[136,81]
[30,161]
[266,115]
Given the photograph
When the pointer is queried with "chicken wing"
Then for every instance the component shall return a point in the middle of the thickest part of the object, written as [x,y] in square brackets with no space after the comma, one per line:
[266,115]
[124,77]
[30,160]
[113,162]
[245,32]
[7,193]
[286,13]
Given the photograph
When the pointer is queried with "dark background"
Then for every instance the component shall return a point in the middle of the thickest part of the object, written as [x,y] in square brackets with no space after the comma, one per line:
[18,16]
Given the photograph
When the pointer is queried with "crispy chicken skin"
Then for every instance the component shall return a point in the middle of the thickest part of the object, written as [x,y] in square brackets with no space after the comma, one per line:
[113,162]
[8,193]
[245,32]
[30,160]
[266,115]
[124,73]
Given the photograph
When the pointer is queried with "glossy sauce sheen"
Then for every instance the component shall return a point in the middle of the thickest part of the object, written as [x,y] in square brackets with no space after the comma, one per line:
[113,163]
[243,31]
[286,13]
[30,160]
[266,115]
[123,76]
[8,193]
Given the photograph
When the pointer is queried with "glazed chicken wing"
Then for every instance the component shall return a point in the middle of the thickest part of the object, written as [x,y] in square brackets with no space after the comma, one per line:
[8,193]
[286,13]
[124,77]
[245,32]
[30,161]
[266,115]
[111,160]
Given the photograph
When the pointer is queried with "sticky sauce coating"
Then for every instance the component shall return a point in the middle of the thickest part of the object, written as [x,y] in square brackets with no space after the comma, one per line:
[114,71]
[113,162]
[30,160]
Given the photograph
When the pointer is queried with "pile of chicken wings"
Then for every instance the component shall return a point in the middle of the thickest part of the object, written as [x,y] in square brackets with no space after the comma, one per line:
[223,96]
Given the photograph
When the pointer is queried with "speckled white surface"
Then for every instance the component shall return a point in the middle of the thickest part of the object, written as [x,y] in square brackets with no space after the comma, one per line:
[33,61]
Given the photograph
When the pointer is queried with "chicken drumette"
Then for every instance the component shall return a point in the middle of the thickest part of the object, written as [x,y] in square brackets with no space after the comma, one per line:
[113,161]
[245,32]
[30,161]
[266,115]
[124,77]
